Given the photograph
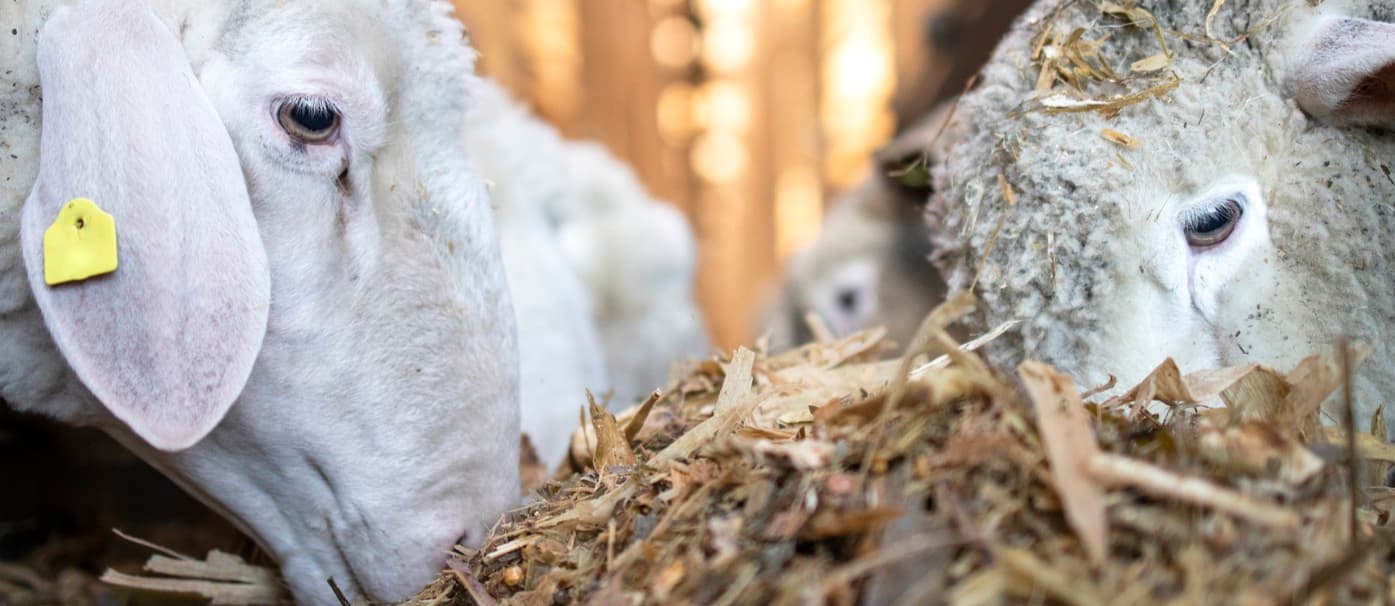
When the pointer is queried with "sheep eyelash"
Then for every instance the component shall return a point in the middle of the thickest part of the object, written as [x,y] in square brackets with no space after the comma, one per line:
[310,102]
[1198,214]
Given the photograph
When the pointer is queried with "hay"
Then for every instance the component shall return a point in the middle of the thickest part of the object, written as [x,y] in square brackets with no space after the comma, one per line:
[805,478]
[825,476]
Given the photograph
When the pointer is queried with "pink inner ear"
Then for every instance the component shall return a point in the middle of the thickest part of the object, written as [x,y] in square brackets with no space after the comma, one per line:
[1374,96]
[1345,73]
[168,340]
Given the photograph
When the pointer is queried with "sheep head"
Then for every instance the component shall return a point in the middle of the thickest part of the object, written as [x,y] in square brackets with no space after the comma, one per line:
[309,327]
[870,264]
[1212,187]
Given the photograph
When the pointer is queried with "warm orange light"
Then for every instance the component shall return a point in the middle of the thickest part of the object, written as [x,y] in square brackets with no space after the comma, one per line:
[724,7]
[859,78]
[719,157]
[726,106]
[728,44]
[798,210]
[675,113]
[859,70]
[551,38]
[674,42]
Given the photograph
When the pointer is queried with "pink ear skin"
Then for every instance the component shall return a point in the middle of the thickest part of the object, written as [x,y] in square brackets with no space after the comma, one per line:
[168,340]
[1344,74]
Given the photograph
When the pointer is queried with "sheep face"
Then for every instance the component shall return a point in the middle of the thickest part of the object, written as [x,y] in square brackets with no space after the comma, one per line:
[846,297]
[870,265]
[292,196]
[1240,229]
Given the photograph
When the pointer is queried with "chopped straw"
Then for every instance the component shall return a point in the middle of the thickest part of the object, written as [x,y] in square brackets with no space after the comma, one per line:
[828,475]
[823,476]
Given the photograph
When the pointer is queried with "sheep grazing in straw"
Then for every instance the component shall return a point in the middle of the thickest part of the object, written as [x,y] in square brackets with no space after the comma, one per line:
[309,326]
[1203,180]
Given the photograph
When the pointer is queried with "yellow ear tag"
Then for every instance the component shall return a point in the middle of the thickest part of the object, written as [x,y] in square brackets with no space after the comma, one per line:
[80,244]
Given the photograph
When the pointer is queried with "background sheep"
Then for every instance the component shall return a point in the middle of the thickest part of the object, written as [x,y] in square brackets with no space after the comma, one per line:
[372,342]
[1235,220]
[870,265]
[638,260]
[601,273]
[524,161]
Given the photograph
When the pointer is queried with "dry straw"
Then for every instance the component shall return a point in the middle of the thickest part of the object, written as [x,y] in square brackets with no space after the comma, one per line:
[824,475]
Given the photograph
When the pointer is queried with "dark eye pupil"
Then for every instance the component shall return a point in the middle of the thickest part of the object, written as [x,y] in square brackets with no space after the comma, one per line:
[847,299]
[314,118]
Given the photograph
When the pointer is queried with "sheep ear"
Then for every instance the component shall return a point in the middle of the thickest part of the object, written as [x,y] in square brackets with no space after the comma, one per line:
[905,162]
[908,176]
[1344,73]
[167,340]
[904,165]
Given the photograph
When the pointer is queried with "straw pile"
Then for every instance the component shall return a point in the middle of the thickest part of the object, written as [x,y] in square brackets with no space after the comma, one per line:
[824,476]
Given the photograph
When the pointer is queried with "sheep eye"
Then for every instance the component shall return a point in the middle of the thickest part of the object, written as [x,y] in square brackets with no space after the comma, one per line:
[847,300]
[1211,226]
[310,121]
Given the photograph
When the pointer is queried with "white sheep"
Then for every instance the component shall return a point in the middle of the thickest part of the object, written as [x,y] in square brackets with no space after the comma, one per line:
[309,327]
[638,260]
[1246,224]
[525,162]
[870,265]
[601,273]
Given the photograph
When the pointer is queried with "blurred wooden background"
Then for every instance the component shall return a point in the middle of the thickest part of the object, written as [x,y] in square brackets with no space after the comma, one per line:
[746,114]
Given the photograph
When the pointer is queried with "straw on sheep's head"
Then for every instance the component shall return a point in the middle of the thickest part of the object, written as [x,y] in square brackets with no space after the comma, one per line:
[1203,180]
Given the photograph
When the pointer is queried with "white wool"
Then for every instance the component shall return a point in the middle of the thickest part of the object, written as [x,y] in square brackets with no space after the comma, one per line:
[1093,257]
[601,273]
[380,420]
[638,260]
[524,161]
